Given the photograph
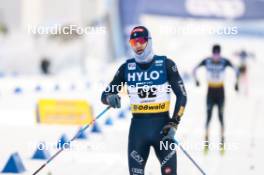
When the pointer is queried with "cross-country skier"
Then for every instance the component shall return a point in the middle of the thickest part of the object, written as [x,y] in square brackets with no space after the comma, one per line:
[149,79]
[244,56]
[215,67]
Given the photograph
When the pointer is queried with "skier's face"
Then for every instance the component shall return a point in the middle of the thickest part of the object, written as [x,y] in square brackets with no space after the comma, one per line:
[216,57]
[138,45]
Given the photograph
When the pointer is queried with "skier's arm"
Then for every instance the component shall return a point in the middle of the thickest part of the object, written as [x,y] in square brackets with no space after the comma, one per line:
[114,87]
[177,86]
[202,63]
[228,63]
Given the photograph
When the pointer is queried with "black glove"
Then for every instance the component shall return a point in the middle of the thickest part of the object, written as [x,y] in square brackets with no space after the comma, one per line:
[197,83]
[236,87]
[169,130]
[113,100]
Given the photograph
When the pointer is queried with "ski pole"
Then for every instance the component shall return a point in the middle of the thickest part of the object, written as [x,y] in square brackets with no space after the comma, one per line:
[190,158]
[76,135]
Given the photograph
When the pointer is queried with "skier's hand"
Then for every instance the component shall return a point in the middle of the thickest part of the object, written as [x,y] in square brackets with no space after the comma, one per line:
[197,83]
[236,87]
[113,100]
[169,130]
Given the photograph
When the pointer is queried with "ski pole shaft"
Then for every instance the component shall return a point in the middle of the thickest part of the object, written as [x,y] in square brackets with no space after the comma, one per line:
[75,136]
[189,157]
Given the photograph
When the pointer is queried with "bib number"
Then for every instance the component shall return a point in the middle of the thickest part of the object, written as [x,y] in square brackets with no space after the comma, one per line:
[147,93]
